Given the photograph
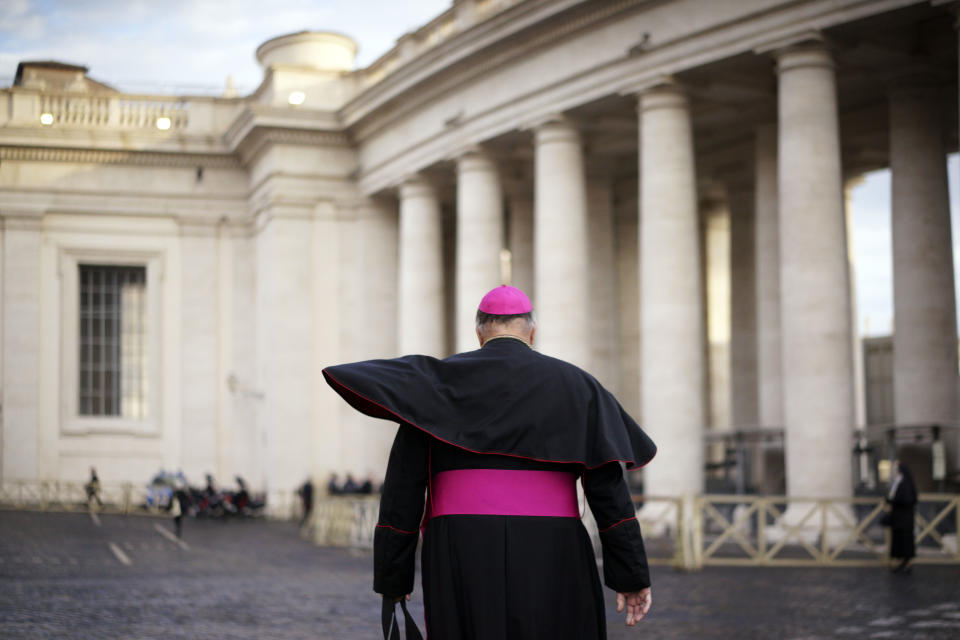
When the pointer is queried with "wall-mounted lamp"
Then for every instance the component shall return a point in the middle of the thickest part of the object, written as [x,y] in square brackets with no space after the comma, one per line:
[296,97]
[46,119]
[163,123]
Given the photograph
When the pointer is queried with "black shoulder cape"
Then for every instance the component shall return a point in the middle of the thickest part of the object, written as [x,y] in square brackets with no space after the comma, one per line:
[504,398]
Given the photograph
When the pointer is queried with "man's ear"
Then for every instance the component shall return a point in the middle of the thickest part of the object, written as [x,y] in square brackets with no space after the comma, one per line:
[533,332]
[479,337]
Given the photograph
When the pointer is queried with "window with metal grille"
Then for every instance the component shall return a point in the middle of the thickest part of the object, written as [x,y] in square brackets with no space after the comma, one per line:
[113,341]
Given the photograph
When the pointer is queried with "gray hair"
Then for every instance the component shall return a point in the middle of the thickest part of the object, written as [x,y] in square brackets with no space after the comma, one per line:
[485,320]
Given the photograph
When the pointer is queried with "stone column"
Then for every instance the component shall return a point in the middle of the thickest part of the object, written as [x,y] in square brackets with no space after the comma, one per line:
[743,307]
[521,243]
[767,230]
[479,240]
[815,298]
[561,276]
[672,349]
[603,319]
[924,305]
[769,461]
[22,287]
[628,283]
[372,241]
[420,303]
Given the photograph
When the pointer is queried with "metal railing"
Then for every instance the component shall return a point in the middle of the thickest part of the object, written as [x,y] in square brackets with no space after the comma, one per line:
[684,532]
[791,531]
[665,529]
[344,521]
[121,499]
[53,495]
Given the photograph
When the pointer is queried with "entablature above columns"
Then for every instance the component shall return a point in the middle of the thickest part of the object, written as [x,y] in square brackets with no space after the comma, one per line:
[457,108]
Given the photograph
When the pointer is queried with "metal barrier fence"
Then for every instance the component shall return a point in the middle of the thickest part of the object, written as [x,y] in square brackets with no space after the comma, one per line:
[684,532]
[665,529]
[126,499]
[344,521]
[120,499]
[788,531]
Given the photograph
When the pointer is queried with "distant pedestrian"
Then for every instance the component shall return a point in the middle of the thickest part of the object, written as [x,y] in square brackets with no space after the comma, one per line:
[306,500]
[93,489]
[350,485]
[367,487]
[333,485]
[176,507]
[902,499]
[241,499]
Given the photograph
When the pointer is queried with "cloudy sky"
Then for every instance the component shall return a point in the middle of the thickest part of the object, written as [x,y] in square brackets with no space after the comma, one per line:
[191,46]
[152,45]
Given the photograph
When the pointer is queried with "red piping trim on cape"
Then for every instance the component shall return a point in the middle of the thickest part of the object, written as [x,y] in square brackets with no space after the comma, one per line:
[386,526]
[497,453]
[617,524]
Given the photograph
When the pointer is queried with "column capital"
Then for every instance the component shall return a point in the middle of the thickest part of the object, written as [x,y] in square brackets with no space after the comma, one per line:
[654,84]
[809,48]
[555,128]
[664,94]
[805,39]
[416,185]
[474,158]
[805,56]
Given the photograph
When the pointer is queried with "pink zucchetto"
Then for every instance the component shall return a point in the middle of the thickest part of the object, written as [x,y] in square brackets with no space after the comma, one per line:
[505,301]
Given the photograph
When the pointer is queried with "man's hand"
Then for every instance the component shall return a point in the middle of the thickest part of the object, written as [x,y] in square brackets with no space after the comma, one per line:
[408,598]
[637,603]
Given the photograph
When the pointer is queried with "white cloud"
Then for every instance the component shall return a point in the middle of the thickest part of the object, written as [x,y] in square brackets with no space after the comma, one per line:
[146,45]
[17,18]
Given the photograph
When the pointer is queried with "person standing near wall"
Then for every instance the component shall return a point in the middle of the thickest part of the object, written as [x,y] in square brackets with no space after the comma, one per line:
[902,499]
[306,500]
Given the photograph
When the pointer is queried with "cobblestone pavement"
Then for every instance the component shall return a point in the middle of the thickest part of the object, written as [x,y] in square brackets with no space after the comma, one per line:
[64,576]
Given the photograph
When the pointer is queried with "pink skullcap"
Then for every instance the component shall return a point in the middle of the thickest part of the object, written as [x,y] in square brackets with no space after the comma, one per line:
[505,301]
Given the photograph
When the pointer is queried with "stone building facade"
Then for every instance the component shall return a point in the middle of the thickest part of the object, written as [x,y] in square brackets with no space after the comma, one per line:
[665,178]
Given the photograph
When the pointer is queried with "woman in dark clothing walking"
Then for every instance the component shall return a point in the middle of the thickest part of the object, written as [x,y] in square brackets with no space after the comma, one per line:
[902,499]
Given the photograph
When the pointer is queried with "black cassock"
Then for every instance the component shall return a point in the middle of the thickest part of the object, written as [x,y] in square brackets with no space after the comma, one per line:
[504,406]
[903,504]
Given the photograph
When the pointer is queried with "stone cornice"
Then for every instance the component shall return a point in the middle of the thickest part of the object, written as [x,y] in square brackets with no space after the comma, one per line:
[259,126]
[724,39]
[117,157]
[258,138]
[286,118]
[483,38]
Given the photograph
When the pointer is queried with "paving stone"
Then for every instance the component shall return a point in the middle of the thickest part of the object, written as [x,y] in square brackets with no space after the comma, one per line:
[252,579]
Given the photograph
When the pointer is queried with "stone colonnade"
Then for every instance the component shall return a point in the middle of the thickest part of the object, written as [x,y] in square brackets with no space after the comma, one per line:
[792,336]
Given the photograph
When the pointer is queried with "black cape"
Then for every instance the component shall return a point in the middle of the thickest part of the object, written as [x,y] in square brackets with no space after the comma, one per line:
[503,399]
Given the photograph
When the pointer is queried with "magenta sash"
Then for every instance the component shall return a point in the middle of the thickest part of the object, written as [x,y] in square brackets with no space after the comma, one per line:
[504,492]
